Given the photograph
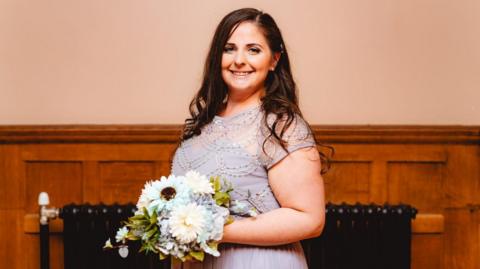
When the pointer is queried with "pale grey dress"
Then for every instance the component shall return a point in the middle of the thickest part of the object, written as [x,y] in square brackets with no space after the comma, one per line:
[232,148]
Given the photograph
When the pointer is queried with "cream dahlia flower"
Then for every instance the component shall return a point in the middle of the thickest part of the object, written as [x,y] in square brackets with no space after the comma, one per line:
[198,183]
[187,222]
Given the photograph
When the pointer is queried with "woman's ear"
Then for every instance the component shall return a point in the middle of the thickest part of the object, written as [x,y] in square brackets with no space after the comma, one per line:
[275,59]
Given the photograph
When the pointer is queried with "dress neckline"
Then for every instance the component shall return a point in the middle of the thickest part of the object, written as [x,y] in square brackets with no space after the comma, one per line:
[239,114]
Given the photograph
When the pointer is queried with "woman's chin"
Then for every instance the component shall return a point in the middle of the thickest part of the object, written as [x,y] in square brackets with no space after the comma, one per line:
[242,90]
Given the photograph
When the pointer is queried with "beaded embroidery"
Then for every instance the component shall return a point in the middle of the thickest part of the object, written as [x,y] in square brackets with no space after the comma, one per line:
[231,147]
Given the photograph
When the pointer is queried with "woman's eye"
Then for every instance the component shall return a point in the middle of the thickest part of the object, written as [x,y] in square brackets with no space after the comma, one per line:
[254,50]
[228,49]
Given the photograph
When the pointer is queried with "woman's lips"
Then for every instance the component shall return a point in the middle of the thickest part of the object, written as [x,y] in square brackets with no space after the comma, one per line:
[241,74]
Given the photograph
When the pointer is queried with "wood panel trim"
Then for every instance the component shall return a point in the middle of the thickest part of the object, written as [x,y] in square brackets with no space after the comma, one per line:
[348,134]
[89,134]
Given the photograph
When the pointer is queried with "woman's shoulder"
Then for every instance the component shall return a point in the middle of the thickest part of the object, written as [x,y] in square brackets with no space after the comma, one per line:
[294,124]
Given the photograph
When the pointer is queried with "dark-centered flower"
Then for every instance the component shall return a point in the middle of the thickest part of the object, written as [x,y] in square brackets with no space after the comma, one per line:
[168,193]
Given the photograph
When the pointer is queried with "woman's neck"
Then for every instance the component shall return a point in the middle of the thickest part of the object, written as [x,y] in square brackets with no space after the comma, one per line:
[236,104]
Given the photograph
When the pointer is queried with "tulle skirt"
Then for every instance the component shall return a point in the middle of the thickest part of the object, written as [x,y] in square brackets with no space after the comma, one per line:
[235,256]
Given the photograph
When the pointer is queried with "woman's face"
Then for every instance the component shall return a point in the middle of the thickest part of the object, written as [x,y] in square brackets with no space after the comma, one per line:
[246,60]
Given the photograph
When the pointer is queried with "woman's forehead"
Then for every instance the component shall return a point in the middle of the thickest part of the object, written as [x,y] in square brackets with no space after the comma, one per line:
[247,33]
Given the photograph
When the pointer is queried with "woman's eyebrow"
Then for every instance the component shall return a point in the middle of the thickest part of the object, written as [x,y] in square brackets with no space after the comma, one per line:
[254,44]
[248,45]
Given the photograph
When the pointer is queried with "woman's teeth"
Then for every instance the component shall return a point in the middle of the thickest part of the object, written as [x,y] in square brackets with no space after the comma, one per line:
[241,74]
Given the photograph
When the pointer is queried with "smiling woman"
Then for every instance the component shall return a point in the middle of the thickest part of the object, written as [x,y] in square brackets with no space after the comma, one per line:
[246,126]
[246,61]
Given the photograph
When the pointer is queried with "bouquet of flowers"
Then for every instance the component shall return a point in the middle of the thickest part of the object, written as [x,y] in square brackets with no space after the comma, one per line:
[178,216]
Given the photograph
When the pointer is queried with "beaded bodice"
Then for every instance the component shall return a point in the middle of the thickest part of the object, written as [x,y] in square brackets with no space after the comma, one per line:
[231,147]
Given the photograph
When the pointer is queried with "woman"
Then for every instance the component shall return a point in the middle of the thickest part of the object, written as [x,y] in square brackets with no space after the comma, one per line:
[246,126]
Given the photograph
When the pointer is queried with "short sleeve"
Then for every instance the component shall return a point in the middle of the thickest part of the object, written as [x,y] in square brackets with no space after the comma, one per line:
[298,135]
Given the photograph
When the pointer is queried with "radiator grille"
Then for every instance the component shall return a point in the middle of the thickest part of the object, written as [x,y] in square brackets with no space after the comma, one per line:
[355,236]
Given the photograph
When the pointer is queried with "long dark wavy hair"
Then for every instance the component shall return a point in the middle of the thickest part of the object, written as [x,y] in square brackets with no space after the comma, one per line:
[280,89]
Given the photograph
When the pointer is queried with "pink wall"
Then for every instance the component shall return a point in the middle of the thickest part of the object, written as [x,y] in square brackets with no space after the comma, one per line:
[356,62]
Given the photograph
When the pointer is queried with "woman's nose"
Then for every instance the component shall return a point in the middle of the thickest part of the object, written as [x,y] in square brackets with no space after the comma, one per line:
[239,58]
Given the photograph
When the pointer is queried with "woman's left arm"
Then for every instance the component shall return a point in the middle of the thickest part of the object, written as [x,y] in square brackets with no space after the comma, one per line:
[298,186]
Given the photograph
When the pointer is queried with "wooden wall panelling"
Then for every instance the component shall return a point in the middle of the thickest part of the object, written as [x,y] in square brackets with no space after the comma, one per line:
[462,207]
[417,183]
[476,248]
[462,239]
[62,180]
[122,182]
[463,168]
[348,181]
[411,174]
[420,184]
[82,173]
[11,208]
[162,168]
[91,183]
[97,152]
[12,250]
[96,158]
[12,194]
[3,177]
[426,248]
[372,164]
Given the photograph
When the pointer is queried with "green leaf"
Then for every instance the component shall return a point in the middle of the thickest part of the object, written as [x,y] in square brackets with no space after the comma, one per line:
[198,255]
[132,237]
[136,224]
[145,213]
[217,186]
[222,198]
[143,248]
[137,217]
[148,247]
[162,256]
[151,232]
[153,218]
[230,219]
[213,245]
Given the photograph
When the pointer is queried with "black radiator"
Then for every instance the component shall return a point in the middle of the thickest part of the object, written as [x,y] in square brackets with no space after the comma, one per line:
[355,236]
[87,227]
[363,236]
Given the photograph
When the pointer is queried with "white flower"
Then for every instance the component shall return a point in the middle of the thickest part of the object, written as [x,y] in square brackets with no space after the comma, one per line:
[187,221]
[253,212]
[154,194]
[143,201]
[121,234]
[198,183]
[210,250]
[108,244]
[219,223]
